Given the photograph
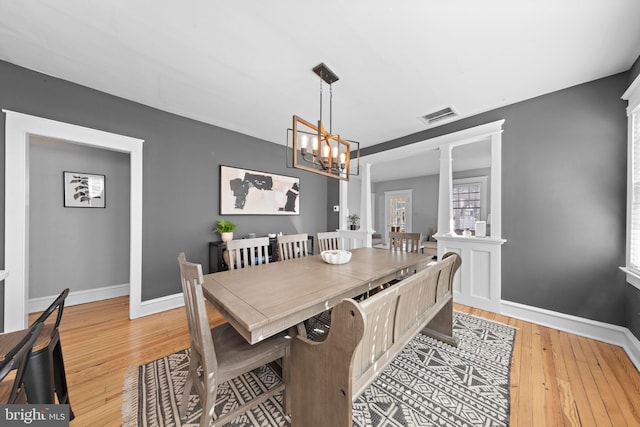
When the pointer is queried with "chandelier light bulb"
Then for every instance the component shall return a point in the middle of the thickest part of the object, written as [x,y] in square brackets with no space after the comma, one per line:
[325,153]
[304,141]
[343,160]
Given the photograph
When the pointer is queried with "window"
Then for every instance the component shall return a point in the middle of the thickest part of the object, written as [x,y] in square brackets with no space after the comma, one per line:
[469,202]
[634,137]
[632,268]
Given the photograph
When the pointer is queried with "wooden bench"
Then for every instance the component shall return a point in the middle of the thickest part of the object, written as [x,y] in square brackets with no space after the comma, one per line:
[364,338]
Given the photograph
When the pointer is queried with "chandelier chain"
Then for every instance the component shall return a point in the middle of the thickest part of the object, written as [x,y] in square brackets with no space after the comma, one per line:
[320,100]
[331,109]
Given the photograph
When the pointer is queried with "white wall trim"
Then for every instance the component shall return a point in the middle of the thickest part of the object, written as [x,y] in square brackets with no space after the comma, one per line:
[161,304]
[612,334]
[147,308]
[19,127]
[80,297]
[632,95]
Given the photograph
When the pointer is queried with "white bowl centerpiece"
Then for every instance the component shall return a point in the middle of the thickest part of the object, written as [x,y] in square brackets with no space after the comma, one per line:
[336,256]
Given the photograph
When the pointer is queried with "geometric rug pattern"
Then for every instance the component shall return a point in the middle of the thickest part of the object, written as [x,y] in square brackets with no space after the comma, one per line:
[429,384]
[433,384]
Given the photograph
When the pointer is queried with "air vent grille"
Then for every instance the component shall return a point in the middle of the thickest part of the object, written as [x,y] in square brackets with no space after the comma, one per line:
[439,115]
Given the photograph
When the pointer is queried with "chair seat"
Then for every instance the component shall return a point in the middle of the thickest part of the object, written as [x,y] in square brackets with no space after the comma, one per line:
[44,339]
[236,356]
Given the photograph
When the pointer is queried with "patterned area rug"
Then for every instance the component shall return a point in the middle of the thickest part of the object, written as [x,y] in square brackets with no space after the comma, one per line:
[428,384]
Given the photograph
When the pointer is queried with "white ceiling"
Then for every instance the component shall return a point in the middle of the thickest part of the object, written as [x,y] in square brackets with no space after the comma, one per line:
[246,65]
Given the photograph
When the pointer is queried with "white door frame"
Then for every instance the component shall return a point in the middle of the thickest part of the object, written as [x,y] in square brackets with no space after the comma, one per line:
[408,194]
[19,127]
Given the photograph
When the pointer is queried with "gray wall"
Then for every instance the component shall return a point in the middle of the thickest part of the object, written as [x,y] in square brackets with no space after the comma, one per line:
[564,199]
[79,248]
[181,168]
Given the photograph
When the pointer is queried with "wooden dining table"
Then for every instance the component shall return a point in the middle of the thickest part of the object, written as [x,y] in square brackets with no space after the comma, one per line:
[263,300]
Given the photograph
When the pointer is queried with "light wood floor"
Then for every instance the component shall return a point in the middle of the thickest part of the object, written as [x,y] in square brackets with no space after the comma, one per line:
[557,379]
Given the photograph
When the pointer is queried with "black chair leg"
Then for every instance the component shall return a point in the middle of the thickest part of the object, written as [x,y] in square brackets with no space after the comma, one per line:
[38,378]
[60,378]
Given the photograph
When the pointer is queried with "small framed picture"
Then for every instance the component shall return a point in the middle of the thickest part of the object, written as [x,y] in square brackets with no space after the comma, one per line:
[83,190]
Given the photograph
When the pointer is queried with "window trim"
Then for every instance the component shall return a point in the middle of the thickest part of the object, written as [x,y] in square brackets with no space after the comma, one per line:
[632,95]
[483,192]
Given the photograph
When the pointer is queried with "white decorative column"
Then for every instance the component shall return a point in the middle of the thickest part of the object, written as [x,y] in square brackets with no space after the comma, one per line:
[445,212]
[353,239]
[365,205]
[344,202]
[496,186]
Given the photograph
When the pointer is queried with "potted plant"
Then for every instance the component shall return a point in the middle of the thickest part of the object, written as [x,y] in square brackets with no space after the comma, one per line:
[225,228]
[353,221]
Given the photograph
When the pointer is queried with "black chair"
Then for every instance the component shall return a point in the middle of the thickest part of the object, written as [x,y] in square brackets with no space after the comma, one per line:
[46,373]
[17,358]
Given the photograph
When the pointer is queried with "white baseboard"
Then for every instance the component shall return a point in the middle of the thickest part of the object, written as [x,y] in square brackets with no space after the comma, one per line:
[146,308]
[158,305]
[80,297]
[612,334]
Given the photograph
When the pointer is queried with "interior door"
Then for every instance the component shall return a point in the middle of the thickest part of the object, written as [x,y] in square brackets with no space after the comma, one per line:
[397,213]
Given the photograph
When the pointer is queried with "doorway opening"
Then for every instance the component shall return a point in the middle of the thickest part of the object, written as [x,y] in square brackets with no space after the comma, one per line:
[18,130]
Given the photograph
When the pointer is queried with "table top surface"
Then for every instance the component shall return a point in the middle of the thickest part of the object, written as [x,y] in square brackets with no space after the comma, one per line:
[262,300]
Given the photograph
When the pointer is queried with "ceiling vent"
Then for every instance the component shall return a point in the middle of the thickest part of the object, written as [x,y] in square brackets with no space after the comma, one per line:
[440,115]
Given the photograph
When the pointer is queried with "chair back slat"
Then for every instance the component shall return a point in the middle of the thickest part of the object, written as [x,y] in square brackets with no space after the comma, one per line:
[329,241]
[248,252]
[405,242]
[293,246]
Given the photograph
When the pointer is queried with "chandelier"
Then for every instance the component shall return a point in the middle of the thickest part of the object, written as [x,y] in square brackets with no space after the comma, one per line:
[317,150]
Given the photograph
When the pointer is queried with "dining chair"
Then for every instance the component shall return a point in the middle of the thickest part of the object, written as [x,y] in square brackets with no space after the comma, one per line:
[13,392]
[293,246]
[330,240]
[247,252]
[46,374]
[222,353]
[405,242]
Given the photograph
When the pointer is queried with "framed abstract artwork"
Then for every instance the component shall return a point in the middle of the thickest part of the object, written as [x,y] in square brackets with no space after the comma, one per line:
[249,192]
[83,190]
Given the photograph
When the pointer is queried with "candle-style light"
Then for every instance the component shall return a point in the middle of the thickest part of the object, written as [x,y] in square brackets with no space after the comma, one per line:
[304,140]
[325,153]
[343,160]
